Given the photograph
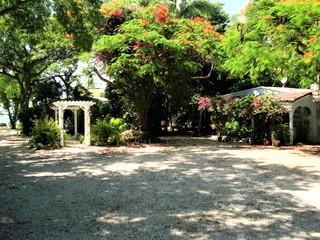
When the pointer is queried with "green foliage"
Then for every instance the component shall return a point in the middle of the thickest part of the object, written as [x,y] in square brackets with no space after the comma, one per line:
[118,124]
[281,133]
[152,54]
[80,137]
[235,130]
[108,131]
[36,38]
[268,108]
[46,135]
[31,40]
[135,136]
[101,131]
[233,116]
[207,10]
[279,38]
[220,112]
[9,99]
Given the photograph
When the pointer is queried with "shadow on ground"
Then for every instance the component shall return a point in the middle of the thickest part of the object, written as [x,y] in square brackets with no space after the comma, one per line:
[191,192]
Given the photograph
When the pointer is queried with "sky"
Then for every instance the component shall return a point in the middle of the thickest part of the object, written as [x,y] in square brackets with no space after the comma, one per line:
[232,7]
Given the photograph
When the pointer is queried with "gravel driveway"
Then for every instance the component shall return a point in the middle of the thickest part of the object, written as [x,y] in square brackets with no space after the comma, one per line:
[186,189]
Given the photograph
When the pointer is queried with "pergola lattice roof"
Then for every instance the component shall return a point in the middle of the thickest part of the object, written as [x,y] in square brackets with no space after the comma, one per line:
[72,104]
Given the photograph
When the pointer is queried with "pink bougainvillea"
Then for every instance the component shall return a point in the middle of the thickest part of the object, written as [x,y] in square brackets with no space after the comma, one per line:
[204,102]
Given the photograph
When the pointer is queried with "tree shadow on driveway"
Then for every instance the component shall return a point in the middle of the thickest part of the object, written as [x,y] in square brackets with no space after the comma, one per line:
[186,192]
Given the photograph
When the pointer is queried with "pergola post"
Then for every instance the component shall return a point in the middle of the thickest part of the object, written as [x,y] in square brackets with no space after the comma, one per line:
[56,115]
[87,139]
[61,115]
[75,112]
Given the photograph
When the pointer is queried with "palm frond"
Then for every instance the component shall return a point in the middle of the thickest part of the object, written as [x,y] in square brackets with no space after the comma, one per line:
[201,8]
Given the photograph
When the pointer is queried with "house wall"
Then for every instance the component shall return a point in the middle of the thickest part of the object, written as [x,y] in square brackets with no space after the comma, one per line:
[307,101]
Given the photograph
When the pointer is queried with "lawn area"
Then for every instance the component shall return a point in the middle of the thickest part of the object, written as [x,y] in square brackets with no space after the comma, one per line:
[186,188]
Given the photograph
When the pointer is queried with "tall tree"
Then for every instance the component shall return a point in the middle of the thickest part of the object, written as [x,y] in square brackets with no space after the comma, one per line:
[275,39]
[35,36]
[31,40]
[150,52]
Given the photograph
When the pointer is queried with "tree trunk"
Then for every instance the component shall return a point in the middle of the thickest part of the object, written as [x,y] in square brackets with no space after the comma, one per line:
[25,114]
[25,118]
[144,120]
[13,121]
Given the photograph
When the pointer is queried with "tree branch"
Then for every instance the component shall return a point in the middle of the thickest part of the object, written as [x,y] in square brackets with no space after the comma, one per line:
[96,71]
[205,77]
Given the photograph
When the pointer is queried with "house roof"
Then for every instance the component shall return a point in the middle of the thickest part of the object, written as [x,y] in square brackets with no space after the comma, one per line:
[285,94]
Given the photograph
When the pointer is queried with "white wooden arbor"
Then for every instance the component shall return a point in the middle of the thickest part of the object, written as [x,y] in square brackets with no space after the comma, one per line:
[60,106]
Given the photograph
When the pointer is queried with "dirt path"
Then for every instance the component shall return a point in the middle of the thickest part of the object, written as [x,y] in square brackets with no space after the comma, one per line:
[188,189]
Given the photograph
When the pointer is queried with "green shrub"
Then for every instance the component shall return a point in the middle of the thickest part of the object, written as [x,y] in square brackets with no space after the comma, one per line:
[281,133]
[234,130]
[108,131]
[101,131]
[45,135]
[80,137]
[118,124]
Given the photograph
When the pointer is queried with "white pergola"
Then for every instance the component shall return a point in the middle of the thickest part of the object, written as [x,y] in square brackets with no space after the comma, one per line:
[60,106]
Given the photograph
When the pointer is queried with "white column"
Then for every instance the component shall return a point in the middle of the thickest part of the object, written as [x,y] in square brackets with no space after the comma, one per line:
[291,126]
[87,140]
[56,115]
[75,112]
[61,114]
[178,5]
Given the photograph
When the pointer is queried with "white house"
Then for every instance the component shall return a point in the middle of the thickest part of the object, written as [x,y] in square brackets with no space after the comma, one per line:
[303,107]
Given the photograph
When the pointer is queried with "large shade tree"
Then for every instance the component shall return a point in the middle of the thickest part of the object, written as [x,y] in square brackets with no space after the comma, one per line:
[275,39]
[149,51]
[36,34]
[30,42]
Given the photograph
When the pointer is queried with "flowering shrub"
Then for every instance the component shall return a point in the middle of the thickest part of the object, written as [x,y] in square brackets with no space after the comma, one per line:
[204,103]
[233,116]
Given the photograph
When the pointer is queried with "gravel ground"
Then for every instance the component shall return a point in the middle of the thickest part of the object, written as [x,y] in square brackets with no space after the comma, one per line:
[189,188]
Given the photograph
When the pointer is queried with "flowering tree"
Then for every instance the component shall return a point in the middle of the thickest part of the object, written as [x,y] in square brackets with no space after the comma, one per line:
[276,39]
[149,51]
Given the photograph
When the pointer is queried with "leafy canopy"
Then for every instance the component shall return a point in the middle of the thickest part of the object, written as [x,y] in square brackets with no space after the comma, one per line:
[148,50]
[278,39]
